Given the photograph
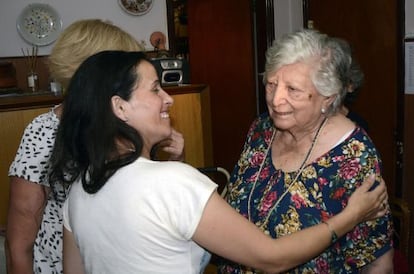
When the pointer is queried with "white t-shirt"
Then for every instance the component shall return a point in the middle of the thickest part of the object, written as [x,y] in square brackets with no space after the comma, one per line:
[142,220]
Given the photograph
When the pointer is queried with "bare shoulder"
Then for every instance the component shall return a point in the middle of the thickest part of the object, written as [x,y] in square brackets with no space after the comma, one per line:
[340,123]
[337,128]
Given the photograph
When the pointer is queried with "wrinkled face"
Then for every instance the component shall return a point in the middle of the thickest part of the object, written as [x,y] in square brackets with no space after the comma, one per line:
[292,99]
[147,109]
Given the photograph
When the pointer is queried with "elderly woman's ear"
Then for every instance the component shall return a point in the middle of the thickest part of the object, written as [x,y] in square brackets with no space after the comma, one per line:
[119,107]
[328,101]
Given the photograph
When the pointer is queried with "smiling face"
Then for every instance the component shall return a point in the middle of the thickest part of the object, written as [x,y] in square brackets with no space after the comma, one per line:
[292,99]
[147,109]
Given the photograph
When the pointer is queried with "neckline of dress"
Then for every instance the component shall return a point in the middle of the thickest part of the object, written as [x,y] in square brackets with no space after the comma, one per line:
[299,171]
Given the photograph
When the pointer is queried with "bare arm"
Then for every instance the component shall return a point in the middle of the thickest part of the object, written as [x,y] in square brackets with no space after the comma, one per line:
[27,201]
[382,265]
[223,231]
[72,260]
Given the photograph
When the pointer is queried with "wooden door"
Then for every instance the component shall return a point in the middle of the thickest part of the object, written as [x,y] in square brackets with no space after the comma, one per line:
[221,55]
[374,30]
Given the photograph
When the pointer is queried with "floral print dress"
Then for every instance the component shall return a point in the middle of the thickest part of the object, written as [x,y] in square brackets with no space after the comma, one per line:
[319,192]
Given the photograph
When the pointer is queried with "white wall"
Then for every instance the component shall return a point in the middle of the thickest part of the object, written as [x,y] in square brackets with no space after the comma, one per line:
[409,18]
[140,27]
[288,16]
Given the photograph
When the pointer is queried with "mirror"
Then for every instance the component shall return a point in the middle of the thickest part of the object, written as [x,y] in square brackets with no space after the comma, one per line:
[177,28]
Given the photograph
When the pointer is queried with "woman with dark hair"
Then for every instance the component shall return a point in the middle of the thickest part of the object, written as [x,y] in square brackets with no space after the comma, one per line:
[126,213]
[34,218]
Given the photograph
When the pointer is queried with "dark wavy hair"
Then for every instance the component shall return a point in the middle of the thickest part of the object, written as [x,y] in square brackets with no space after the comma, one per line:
[85,144]
[350,74]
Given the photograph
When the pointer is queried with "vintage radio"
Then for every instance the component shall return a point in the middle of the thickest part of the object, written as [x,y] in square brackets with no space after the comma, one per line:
[172,71]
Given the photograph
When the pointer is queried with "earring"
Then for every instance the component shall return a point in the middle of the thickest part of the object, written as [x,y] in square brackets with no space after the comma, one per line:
[323,110]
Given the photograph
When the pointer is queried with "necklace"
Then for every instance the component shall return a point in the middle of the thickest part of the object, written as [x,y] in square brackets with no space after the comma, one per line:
[302,166]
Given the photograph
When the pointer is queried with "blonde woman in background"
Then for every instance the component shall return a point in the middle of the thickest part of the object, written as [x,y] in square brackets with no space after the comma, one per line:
[34,224]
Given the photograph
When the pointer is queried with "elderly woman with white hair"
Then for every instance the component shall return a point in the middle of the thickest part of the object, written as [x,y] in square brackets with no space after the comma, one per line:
[303,158]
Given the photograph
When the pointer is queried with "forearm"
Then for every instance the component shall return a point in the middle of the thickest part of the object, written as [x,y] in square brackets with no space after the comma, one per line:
[72,259]
[224,232]
[18,261]
[19,248]
[217,233]
[314,240]
[304,245]
[26,205]
[363,205]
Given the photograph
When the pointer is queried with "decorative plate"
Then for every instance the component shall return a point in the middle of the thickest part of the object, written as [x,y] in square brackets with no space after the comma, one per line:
[136,7]
[39,24]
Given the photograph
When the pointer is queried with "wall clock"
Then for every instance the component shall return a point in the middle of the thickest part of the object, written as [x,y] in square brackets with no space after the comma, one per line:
[136,7]
[39,24]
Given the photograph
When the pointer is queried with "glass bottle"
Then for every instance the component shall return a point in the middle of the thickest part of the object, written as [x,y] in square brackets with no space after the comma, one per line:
[32,81]
[55,87]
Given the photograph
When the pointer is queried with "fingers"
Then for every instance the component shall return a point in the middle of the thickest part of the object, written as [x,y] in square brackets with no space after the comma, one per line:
[174,145]
[381,206]
[370,198]
[381,191]
[381,210]
[368,183]
[175,140]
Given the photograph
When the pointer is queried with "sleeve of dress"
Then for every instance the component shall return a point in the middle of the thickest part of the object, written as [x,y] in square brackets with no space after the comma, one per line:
[369,240]
[32,158]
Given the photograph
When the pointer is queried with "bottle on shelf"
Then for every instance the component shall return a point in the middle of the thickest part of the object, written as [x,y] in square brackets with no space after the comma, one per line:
[33,81]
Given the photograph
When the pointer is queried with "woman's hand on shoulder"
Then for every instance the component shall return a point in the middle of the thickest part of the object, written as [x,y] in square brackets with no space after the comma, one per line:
[174,145]
[369,201]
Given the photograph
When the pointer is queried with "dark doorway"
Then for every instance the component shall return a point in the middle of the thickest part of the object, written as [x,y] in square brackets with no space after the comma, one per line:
[374,29]
[226,41]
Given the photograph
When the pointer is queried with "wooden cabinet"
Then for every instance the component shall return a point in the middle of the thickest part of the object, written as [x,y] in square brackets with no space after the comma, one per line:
[190,114]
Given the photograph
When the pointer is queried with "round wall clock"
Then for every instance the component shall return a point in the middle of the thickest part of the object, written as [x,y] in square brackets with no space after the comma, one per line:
[39,24]
[136,7]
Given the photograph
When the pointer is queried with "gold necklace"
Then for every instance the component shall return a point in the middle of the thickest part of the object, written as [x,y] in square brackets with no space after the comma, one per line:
[302,166]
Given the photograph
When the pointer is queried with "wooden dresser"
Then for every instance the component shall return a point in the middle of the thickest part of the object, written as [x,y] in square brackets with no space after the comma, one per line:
[190,115]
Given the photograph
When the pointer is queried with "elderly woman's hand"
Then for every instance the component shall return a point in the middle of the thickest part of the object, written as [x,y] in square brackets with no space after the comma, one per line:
[369,201]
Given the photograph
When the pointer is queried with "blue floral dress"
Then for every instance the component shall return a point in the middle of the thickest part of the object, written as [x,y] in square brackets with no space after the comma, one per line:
[320,191]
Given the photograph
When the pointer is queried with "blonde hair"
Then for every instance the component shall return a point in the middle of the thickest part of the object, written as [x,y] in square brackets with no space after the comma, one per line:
[82,39]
